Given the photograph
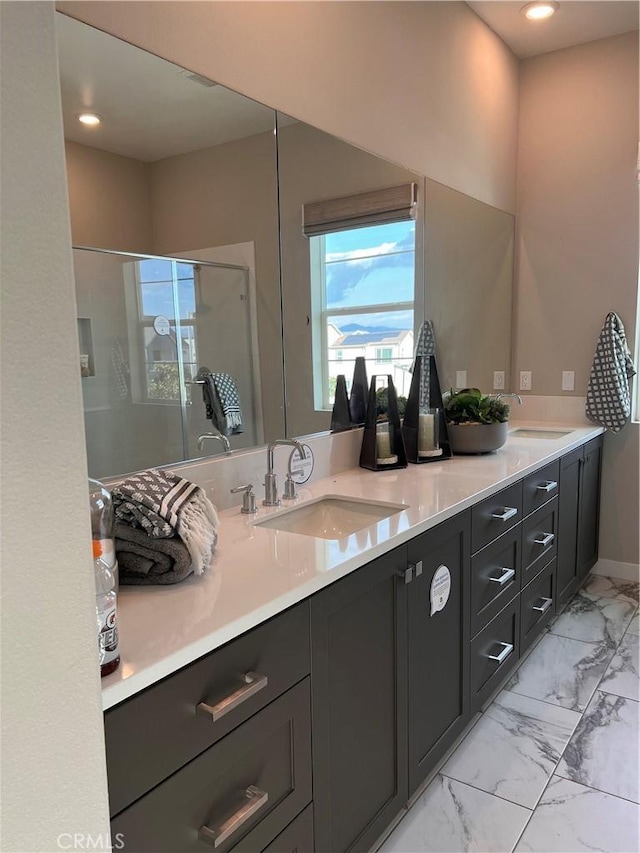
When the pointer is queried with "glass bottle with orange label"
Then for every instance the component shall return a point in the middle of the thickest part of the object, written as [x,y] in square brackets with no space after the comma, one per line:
[105,569]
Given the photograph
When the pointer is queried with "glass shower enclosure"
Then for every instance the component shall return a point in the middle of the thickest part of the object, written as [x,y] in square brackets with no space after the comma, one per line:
[146,326]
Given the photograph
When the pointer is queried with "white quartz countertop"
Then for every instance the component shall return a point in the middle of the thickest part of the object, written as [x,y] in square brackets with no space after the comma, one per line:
[259,572]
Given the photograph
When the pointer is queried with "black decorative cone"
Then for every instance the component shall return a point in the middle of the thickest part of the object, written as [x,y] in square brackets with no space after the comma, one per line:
[340,417]
[359,388]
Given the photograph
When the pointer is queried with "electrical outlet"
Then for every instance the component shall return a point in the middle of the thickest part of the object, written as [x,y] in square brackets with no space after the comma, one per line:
[461,378]
[525,380]
[498,380]
[568,380]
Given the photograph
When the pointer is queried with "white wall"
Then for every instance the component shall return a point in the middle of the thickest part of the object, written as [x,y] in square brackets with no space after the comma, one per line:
[426,84]
[577,239]
[53,774]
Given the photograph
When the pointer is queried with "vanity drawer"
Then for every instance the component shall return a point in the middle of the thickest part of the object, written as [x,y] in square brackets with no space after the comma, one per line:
[258,778]
[156,732]
[537,605]
[495,578]
[539,540]
[297,837]
[540,487]
[495,515]
[494,652]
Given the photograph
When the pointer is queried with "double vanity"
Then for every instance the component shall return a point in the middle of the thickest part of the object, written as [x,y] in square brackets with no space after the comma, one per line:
[302,692]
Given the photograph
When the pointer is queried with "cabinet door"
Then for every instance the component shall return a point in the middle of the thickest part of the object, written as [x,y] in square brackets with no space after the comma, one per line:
[589,506]
[438,645]
[359,682]
[567,571]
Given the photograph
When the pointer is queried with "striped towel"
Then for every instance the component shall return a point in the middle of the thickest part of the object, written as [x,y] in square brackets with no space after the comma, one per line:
[165,505]
[425,346]
[222,401]
[608,394]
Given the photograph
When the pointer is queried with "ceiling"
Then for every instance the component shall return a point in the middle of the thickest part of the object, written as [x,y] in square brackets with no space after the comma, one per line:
[150,108]
[575,22]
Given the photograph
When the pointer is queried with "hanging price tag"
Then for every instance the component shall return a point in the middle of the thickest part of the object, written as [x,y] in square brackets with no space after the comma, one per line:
[440,589]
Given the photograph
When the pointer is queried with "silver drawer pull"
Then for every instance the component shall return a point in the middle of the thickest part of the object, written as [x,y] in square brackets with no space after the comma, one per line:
[547,539]
[507,513]
[506,575]
[546,604]
[504,654]
[254,800]
[254,682]
[547,486]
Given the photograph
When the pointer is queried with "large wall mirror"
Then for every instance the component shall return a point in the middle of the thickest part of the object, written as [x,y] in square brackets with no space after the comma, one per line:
[183,199]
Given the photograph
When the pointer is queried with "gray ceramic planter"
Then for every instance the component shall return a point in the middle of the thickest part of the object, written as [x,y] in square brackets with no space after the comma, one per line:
[477,438]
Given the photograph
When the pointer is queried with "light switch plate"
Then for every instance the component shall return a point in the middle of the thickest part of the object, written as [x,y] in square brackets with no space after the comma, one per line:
[568,380]
[525,380]
[498,380]
[461,378]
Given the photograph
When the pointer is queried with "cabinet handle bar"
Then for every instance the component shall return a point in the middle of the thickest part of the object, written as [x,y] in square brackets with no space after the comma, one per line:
[547,486]
[547,539]
[253,682]
[546,604]
[504,654]
[255,800]
[506,575]
[507,513]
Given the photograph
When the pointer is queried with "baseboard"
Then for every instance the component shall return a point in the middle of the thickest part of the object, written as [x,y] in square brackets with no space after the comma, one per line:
[615,569]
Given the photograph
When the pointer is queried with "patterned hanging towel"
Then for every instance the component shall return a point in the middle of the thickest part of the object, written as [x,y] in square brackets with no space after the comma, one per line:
[425,346]
[222,402]
[165,505]
[608,394]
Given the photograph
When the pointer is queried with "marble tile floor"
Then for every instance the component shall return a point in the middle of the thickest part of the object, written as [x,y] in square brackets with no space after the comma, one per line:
[552,765]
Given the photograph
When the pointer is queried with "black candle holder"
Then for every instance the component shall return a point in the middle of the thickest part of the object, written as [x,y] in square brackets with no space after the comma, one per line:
[424,428]
[372,443]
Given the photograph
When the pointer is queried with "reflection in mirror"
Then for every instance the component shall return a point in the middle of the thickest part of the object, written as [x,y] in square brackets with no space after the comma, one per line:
[469,272]
[179,166]
[353,285]
[365,291]
[143,400]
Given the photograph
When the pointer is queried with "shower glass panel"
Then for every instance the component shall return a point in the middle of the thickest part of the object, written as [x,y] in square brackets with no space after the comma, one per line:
[146,326]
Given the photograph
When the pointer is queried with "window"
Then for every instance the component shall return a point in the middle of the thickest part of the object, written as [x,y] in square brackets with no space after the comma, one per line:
[165,288]
[383,355]
[362,287]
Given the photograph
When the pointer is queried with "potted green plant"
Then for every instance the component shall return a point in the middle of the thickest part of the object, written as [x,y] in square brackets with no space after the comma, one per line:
[476,423]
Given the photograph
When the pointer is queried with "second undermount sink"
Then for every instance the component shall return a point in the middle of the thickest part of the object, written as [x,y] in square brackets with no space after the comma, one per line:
[538,432]
[331,517]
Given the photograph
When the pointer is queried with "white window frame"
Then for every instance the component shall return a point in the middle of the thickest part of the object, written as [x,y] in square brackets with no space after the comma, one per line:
[320,314]
[145,321]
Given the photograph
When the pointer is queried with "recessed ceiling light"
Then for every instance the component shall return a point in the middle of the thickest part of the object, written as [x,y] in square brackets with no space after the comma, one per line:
[540,10]
[90,119]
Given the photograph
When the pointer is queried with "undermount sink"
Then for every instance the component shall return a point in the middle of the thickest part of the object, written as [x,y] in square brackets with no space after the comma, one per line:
[538,432]
[331,517]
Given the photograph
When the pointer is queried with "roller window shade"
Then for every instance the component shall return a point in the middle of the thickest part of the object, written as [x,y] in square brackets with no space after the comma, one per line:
[377,207]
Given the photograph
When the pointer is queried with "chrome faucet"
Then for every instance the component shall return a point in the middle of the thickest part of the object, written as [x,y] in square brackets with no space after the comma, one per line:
[215,436]
[271,479]
[517,396]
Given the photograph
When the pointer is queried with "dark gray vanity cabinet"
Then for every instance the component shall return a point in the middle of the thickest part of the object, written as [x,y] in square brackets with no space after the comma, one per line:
[589,511]
[218,754]
[359,704]
[579,506]
[438,644]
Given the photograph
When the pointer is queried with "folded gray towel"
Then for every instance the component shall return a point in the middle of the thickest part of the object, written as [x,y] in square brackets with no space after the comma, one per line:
[164,505]
[144,560]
